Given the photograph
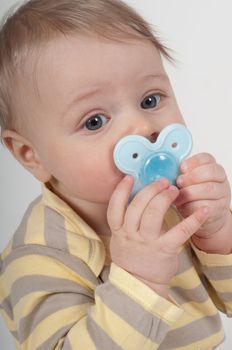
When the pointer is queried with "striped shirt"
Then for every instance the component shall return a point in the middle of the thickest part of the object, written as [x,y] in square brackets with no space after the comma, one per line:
[58,290]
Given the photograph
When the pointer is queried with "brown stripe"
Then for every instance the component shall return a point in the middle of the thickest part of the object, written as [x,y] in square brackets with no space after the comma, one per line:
[218,273]
[51,342]
[226,297]
[7,307]
[40,283]
[19,236]
[185,260]
[182,296]
[54,230]
[52,304]
[14,334]
[100,338]
[193,332]
[67,345]
[136,316]
[104,276]
[74,263]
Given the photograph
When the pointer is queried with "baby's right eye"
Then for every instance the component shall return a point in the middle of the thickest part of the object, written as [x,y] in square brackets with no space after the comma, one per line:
[95,122]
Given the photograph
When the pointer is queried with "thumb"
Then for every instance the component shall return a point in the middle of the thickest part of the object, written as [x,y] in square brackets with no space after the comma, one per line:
[182,232]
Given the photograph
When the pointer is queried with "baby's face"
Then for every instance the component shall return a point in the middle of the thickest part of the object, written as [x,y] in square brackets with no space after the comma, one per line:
[90,94]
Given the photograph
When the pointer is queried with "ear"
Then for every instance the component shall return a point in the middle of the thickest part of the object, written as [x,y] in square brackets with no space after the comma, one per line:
[26,154]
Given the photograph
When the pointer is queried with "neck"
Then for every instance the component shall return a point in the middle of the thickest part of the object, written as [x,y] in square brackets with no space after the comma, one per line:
[94,214]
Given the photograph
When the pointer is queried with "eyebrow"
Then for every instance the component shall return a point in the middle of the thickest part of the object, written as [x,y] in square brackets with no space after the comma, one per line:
[95,90]
[82,96]
[155,76]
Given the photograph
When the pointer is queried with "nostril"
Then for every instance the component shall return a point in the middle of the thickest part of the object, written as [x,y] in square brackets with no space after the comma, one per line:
[154,137]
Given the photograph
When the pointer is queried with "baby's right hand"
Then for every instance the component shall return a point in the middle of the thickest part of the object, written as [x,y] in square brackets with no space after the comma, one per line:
[138,243]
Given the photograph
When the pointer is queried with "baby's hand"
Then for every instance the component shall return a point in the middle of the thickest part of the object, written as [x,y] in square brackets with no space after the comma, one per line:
[203,182]
[138,243]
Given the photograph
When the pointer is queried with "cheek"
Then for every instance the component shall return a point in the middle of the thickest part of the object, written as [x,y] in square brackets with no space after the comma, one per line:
[98,177]
[90,175]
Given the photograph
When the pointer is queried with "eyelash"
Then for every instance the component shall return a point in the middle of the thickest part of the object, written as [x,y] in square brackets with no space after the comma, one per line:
[159,95]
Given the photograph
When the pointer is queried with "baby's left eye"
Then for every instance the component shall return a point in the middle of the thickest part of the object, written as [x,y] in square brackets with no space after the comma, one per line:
[151,101]
[96,122]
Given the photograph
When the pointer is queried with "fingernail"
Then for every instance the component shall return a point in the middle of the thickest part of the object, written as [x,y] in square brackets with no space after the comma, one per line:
[172,188]
[184,167]
[164,180]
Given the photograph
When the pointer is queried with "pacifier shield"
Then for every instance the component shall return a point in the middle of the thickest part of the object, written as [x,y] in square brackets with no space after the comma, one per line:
[147,162]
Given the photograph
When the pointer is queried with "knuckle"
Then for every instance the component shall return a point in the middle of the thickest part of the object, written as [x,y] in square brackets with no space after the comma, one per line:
[209,187]
[208,157]
[186,229]
[136,203]
[221,174]
[190,225]
[215,170]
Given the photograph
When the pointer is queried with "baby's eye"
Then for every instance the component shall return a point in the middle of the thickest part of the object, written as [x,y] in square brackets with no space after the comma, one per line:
[96,122]
[151,101]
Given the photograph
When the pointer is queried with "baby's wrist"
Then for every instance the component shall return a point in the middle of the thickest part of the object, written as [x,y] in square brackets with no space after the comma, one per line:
[219,242]
[161,289]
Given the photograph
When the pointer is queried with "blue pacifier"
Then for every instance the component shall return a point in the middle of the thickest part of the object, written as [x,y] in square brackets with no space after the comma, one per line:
[147,162]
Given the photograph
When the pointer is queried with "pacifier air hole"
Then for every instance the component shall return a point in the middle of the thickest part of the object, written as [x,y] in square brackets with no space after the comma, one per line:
[174,144]
[135,155]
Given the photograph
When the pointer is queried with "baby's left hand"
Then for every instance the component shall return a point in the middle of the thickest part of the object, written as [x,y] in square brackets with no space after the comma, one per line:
[203,182]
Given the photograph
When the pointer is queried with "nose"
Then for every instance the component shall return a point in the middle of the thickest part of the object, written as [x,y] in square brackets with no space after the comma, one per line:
[145,126]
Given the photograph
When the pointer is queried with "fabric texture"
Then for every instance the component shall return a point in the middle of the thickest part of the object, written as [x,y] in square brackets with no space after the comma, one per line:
[59,290]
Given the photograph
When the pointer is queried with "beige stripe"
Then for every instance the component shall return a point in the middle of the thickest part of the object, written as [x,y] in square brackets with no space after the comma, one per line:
[19,236]
[55,338]
[218,272]
[30,284]
[182,296]
[193,332]
[54,230]
[77,265]
[45,308]
[101,340]
[132,313]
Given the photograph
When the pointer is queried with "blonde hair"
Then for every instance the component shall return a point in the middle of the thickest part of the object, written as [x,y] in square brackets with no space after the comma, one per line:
[36,22]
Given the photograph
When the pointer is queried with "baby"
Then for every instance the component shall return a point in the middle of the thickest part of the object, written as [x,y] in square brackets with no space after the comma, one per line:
[87,269]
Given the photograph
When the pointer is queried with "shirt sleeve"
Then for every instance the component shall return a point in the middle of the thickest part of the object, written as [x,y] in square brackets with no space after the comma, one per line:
[58,303]
[217,270]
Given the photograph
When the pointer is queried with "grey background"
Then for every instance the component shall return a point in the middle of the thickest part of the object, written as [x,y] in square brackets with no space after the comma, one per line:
[200,33]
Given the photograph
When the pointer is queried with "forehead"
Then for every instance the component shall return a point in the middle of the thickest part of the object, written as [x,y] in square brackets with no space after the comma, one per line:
[90,58]
[67,65]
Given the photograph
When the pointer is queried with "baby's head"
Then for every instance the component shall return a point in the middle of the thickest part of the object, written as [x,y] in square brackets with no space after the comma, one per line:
[36,23]
[75,77]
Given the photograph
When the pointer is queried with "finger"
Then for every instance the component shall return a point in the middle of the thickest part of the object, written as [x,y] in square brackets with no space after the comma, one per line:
[152,219]
[204,191]
[139,203]
[204,173]
[118,203]
[182,232]
[196,161]
[216,207]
